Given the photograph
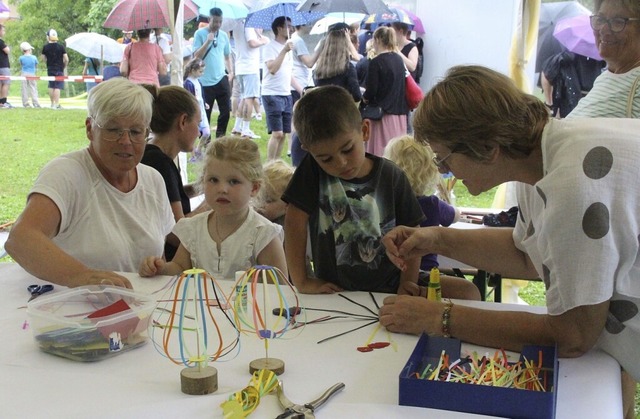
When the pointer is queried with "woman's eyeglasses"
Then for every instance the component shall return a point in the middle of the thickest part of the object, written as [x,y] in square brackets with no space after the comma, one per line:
[616,24]
[441,164]
[136,135]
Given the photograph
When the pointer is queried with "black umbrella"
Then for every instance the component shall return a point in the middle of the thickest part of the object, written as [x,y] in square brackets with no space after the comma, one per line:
[550,14]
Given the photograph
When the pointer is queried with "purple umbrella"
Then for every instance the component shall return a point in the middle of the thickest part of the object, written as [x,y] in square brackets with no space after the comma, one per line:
[3,8]
[417,22]
[576,35]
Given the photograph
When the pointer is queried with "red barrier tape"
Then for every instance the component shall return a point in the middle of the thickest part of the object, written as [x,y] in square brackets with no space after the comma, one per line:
[81,79]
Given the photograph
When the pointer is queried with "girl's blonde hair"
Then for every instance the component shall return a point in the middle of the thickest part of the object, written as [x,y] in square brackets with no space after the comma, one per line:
[386,37]
[240,152]
[277,174]
[416,160]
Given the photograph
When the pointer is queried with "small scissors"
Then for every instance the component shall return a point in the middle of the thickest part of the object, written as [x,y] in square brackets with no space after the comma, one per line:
[37,290]
[307,410]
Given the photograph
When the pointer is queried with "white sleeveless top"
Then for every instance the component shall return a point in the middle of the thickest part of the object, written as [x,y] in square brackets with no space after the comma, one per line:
[238,252]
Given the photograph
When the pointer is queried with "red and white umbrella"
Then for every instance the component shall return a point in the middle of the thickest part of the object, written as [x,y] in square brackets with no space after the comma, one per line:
[130,15]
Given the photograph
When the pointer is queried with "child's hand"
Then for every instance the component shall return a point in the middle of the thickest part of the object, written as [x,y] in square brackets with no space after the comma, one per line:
[151,266]
[318,286]
[411,288]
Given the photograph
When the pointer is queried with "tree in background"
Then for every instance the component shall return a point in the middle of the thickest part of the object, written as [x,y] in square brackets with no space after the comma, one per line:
[65,16]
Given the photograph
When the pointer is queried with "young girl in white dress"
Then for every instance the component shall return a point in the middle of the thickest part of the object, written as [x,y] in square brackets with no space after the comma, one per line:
[232,236]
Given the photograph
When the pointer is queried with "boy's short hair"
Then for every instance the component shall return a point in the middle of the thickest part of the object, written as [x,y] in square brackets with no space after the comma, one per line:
[279,22]
[325,112]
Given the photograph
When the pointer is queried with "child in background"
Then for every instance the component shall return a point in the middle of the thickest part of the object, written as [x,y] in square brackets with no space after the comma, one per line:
[193,71]
[347,200]
[91,68]
[416,161]
[277,174]
[29,64]
[232,236]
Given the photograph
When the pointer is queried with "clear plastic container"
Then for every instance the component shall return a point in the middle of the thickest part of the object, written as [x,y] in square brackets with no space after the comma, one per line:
[90,323]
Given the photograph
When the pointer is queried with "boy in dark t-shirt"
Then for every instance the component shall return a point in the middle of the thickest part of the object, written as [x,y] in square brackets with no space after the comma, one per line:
[348,200]
[56,58]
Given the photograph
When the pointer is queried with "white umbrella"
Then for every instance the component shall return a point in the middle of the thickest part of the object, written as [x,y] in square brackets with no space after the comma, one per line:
[354,6]
[323,24]
[95,45]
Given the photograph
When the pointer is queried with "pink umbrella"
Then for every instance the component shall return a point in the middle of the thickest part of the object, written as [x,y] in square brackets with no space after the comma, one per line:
[130,15]
[576,35]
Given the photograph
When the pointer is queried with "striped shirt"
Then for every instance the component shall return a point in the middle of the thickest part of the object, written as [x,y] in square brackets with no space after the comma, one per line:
[608,98]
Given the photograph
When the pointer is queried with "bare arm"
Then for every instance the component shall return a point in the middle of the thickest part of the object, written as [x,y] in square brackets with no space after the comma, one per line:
[274,65]
[411,62]
[489,249]
[162,66]
[309,59]
[575,331]
[30,244]
[259,41]
[295,245]
[273,255]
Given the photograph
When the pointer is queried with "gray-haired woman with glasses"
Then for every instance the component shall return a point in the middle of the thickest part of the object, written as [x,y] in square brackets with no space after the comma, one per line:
[616,92]
[97,210]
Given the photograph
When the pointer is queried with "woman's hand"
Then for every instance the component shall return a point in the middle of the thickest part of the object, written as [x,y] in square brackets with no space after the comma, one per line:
[413,315]
[404,243]
[99,278]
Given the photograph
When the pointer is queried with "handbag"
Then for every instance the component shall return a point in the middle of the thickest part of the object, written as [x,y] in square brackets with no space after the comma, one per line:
[413,92]
[372,112]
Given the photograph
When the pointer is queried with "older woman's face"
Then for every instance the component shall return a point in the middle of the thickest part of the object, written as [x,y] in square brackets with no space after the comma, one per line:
[120,155]
[617,48]
[477,176]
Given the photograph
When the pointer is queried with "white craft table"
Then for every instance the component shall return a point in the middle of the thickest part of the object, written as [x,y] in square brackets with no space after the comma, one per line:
[143,384]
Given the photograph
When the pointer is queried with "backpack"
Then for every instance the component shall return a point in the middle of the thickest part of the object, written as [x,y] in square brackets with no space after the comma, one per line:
[420,66]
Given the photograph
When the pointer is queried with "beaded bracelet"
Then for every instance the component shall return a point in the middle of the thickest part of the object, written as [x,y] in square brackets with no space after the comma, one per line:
[446,317]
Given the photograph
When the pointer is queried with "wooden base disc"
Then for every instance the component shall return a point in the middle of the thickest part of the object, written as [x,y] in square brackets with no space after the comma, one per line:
[199,381]
[272,364]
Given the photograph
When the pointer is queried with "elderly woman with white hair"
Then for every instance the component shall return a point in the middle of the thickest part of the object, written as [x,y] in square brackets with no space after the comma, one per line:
[97,210]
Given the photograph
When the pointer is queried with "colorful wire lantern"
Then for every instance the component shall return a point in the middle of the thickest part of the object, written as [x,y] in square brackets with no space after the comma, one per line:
[253,304]
[189,319]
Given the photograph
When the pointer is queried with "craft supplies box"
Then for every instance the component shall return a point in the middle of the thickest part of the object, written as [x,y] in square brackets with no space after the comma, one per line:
[474,398]
[90,323]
